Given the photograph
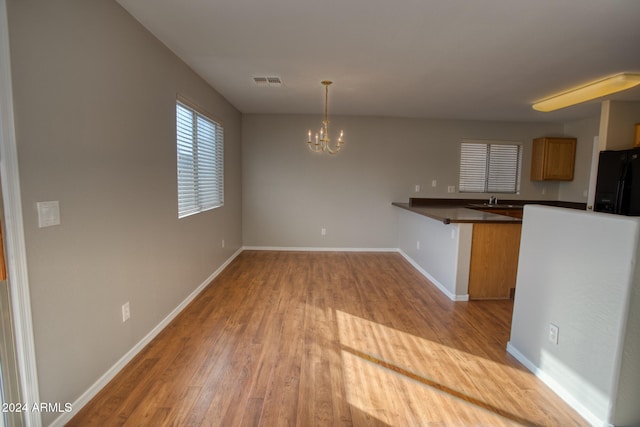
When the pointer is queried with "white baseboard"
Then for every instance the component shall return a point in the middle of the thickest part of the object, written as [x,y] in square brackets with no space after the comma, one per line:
[311,249]
[437,284]
[120,364]
[422,271]
[557,388]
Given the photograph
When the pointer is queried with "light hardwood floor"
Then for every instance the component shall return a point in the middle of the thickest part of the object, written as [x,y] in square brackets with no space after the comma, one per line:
[328,339]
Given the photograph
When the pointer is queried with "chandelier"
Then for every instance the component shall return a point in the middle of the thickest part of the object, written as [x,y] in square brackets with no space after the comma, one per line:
[322,141]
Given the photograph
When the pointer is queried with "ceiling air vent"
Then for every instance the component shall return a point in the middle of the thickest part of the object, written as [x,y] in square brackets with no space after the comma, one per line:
[267,81]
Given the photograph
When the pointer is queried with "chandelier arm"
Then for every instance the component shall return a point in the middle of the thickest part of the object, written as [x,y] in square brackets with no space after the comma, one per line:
[335,149]
[332,152]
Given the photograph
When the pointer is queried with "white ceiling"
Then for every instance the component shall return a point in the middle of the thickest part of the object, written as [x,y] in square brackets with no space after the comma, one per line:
[480,59]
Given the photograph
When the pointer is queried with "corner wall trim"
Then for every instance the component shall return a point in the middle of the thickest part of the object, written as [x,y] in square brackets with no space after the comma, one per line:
[557,388]
[14,240]
[436,283]
[120,364]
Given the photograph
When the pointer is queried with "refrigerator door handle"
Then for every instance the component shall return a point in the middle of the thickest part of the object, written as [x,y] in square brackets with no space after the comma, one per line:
[621,187]
[618,207]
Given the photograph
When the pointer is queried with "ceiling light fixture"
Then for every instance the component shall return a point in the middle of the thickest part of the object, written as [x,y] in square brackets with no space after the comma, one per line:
[322,141]
[597,89]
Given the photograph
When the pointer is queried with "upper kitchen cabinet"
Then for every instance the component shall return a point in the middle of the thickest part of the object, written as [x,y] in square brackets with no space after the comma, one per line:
[553,159]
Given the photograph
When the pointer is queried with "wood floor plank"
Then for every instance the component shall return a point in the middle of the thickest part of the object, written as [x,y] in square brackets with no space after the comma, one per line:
[328,339]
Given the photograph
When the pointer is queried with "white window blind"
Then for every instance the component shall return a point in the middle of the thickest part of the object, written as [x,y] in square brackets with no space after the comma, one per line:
[490,167]
[200,144]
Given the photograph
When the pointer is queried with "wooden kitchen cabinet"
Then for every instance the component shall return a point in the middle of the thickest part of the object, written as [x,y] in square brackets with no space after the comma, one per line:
[553,159]
[494,260]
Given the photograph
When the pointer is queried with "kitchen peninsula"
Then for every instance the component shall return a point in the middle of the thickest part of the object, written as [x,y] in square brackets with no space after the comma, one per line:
[467,248]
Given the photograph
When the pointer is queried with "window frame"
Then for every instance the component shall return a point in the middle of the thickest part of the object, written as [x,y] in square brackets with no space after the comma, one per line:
[486,185]
[199,159]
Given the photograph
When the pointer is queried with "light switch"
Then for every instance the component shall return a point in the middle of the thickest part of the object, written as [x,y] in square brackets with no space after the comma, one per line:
[48,213]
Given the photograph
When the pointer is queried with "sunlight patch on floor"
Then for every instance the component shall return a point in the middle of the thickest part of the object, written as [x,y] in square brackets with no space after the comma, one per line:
[382,363]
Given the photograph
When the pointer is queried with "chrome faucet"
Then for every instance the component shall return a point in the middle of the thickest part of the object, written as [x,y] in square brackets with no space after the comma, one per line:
[493,200]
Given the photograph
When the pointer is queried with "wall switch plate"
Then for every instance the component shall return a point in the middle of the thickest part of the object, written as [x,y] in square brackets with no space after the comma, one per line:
[48,213]
[418,245]
[451,189]
[223,243]
[126,311]
[553,333]
[417,188]
[434,183]
[323,231]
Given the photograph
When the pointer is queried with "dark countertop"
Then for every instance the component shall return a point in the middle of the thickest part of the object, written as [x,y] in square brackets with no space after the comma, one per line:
[458,214]
[420,201]
[452,211]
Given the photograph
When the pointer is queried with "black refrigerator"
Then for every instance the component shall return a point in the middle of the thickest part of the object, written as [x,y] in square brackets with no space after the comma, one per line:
[618,184]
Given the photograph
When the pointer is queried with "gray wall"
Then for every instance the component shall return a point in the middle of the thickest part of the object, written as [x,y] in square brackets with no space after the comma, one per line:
[585,131]
[578,271]
[626,410]
[290,193]
[443,254]
[618,124]
[95,124]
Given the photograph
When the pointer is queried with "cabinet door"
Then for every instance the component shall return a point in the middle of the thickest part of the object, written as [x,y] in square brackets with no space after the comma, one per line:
[553,159]
[560,158]
[493,266]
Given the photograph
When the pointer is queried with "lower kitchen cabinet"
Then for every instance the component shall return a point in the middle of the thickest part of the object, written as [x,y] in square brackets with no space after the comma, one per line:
[494,260]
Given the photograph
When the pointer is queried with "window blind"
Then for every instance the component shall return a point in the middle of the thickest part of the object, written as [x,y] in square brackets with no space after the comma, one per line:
[200,144]
[490,167]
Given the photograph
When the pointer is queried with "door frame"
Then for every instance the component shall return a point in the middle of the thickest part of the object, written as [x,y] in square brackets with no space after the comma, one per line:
[16,256]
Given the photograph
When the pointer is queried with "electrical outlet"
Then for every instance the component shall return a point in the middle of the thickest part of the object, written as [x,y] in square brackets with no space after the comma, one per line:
[554,331]
[418,245]
[451,189]
[126,311]
[544,190]
[434,183]
[223,243]
[417,188]
[323,231]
